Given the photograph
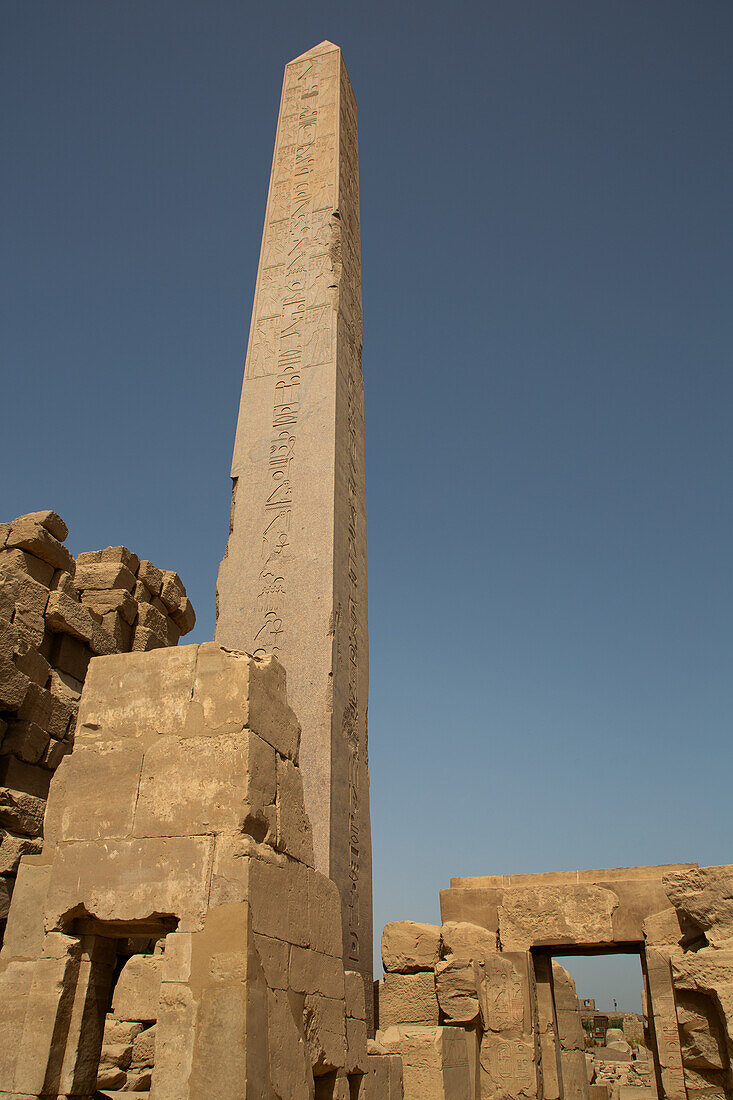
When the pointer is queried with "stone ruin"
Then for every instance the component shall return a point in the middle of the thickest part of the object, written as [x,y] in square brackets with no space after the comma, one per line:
[186,873]
[56,613]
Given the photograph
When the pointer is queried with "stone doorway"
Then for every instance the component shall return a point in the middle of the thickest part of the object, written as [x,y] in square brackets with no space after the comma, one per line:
[577,1061]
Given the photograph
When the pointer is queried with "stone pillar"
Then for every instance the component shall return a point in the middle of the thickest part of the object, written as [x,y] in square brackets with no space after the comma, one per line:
[293,579]
[663,1022]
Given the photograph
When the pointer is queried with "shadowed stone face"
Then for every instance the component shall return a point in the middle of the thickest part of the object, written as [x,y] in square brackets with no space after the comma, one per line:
[293,579]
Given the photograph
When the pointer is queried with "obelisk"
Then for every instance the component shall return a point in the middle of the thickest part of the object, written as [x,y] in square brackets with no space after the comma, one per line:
[293,581]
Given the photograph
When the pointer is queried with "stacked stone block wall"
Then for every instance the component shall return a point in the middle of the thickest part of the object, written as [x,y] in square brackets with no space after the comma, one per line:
[56,613]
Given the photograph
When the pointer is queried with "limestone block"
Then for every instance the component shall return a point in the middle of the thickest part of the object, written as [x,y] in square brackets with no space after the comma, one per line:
[457,988]
[12,847]
[28,534]
[70,656]
[502,993]
[195,785]
[137,993]
[79,804]
[288,1057]
[468,941]
[313,972]
[324,1021]
[294,833]
[172,591]
[704,895]
[144,639]
[25,740]
[324,914]
[14,562]
[13,685]
[149,575]
[274,958]
[107,600]
[354,989]
[407,999]
[66,616]
[170,876]
[434,1061]
[233,691]
[574,913]
[184,616]
[137,694]
[507,1067]
[408,946]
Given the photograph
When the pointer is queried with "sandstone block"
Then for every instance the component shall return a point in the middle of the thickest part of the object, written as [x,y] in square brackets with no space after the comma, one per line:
[54,754]
[144,640]
[274,958]
[354,990]
[70,656]
[113,1079]
[434,1061]
[27,594]
[172,591]
[294,833]
[33,665]
[135,694]
[313,972]
[150,576]
[121,1031]
[501,994]
[137,992]
[79,805]
[24,935]
[25,740]
[468,941]
[408,946]
[112,555]
[50,520]
[12,847]
[184,616]
[324,914]
[544,914]
[149,616]
[457,988]
[507,1067]
[31,626]
[115,1056]
[196,785]
[110,599]
[27,534]
[356,1046]
[325,1032]
[171,876]
[63,582]
[14,562]
[21,812]
[383,1077]
[66,616]
[13,685]
[172,633]
[276,894]
[119,631]
[234,690]
[703,1044]
[704,896]
[143,1047]
[407,999]
[289,1068]
[141,593]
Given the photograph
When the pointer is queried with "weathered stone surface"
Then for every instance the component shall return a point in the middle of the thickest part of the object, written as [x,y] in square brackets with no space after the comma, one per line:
[13,685]
[24,935]
[407,999]
[12,847]
[296,588]
[324,1020]
[137,992]
[52,521]
[535,915]
[206,785]
[121,1031]
[469,941]
[355,1002]
[288,1057]
[25,740]
[383,1077]
[66,616]
[149,575]
[111,599]
[21,812]
[14,562]
[71,656]
[408,946]
[184,616]
[172,591]
[294,834]
[111,555]
[704,895]
[434,1061]
[502,996]
[100,574]
[507,1067]
[26,533]
[149,616]
[80,806]
[457,988]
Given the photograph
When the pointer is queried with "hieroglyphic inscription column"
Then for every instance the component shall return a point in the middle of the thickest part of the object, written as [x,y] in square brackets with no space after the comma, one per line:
[293,580]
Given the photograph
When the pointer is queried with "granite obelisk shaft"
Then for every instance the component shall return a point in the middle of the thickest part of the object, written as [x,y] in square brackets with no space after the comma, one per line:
[293,580]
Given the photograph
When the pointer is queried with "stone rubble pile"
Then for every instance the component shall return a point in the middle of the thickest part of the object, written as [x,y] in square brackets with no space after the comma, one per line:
[56,613]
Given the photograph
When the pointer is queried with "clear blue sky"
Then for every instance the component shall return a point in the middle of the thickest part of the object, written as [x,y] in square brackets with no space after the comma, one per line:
[547,298]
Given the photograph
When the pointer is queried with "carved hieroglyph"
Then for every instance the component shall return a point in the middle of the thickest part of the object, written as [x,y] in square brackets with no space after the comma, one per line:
[293,579]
